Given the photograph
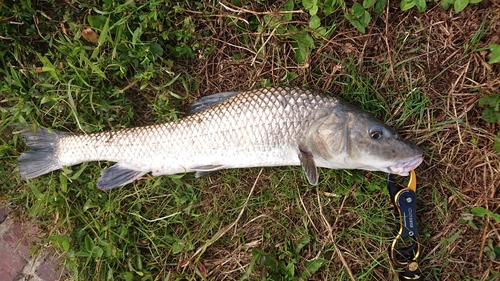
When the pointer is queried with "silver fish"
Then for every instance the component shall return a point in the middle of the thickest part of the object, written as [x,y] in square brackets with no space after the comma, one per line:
[265,127]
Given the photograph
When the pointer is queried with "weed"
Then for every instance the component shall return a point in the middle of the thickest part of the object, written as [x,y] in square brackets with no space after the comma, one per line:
[284,265]
[495,53]
[492,251]
[491,104]
[491,113]
[359,17]
[408,4]
[94,65]
[458,5]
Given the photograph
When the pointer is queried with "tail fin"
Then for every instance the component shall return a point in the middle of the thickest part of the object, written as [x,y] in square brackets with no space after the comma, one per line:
[41,159]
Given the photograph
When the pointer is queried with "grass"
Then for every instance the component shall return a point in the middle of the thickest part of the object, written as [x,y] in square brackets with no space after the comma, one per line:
[152,58]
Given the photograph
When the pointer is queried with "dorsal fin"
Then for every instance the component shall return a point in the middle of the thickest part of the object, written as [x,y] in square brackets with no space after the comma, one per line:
[211,100]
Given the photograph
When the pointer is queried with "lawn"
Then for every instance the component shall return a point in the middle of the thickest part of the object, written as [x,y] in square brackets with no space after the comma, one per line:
[88,66]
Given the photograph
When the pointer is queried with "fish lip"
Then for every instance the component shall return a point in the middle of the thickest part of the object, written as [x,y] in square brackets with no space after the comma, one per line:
[404,168]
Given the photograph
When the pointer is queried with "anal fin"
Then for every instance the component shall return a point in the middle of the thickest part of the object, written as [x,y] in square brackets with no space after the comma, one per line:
[117,175]
[206,169]
[307,163]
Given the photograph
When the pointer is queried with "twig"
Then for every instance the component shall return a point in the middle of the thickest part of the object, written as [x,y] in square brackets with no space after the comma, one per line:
[483,241]
[343,260]
[305,209]
[264,44]
[485,230]
[157,219]
[330,236]
[391,64]
[248,199]
[243,10]
[450,93]
[223,231]
[342,204]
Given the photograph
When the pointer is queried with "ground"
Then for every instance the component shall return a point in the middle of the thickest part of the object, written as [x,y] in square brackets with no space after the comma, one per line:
[19,259]
[422,73]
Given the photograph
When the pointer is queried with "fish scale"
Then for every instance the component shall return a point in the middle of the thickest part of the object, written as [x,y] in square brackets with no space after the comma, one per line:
[264,127]
[199,134]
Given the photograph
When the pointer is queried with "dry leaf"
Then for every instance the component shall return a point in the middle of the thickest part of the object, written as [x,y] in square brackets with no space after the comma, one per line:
[202,269]
[90,35]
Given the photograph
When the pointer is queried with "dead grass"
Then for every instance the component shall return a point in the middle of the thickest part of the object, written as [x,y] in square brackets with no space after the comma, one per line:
[423,51]
[402,56]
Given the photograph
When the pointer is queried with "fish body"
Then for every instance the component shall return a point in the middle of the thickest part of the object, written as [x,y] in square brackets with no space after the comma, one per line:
[281,126]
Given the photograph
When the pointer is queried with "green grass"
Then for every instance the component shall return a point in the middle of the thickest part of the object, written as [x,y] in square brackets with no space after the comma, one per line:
[151,228]
[231,225]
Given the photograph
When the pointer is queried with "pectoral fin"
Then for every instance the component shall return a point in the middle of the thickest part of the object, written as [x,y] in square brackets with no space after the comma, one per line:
[307,163]
[117,175]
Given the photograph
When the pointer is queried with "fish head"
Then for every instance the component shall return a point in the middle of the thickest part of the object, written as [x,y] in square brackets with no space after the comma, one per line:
[350,138]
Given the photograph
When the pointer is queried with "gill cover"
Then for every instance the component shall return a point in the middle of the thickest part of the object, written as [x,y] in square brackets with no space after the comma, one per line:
[330,135]
[325,139]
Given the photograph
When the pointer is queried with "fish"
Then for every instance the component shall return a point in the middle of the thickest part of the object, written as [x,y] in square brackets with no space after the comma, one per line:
[274,126]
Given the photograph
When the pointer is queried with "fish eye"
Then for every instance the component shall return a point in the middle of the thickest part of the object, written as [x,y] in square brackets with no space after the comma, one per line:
[376,132]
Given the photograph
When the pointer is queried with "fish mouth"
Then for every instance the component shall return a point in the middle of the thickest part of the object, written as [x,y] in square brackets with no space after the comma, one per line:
[403,169]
